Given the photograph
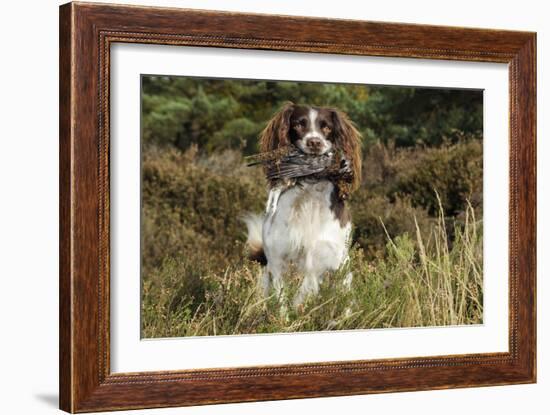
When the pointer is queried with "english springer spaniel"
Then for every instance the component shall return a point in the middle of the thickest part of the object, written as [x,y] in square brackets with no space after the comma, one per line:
[307,221]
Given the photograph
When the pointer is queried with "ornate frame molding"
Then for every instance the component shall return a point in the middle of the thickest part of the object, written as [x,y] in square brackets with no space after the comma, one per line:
[86,33]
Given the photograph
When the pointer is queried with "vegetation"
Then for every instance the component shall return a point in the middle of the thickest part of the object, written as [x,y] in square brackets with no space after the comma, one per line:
[417,241]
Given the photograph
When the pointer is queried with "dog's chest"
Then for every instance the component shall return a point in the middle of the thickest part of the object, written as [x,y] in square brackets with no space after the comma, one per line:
[308,206]
[302,216]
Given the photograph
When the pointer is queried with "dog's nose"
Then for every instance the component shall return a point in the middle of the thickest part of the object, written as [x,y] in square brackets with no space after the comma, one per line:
[314,143]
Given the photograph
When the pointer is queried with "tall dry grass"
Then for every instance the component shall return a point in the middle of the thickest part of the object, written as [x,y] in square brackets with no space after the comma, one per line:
[423,280]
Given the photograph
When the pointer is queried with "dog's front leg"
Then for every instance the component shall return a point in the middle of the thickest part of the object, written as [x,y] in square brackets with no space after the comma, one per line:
[264,280]
[322,257]
[277,281]
[273,277]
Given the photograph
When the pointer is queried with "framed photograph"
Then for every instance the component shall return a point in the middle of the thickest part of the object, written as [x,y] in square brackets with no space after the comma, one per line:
[259,207]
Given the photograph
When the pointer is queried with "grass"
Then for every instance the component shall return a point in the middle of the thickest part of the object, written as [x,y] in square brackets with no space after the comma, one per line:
[424,278]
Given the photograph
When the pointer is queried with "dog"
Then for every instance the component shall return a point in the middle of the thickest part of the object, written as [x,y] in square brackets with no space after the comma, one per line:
[307,221]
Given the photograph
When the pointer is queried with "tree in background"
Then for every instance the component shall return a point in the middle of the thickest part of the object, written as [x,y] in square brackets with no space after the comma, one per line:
[219,114]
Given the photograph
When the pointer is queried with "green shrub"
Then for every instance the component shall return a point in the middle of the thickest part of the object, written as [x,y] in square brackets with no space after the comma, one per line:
[194,204]
[452,171]
[370,213]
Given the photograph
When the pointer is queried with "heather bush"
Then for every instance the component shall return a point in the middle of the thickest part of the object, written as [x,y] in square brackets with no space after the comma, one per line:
[454,172]
[191,203]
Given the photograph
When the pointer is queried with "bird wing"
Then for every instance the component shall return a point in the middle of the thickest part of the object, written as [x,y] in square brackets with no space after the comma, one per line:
[298,165]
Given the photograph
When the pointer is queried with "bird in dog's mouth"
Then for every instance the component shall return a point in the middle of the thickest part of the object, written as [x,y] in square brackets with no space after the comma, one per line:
[290,163]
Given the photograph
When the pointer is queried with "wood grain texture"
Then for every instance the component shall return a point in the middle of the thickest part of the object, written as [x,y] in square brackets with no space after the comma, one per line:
[65,172]
[86,33]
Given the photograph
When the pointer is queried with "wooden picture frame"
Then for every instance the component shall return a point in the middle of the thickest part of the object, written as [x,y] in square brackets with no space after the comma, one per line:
[86,33]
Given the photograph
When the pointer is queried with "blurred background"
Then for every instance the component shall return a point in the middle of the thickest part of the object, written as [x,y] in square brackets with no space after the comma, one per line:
[421,189]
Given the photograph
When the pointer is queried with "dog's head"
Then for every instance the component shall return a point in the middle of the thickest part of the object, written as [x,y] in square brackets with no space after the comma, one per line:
[314,130]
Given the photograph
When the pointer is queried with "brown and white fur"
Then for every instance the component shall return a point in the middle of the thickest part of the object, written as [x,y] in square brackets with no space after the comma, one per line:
[305,222]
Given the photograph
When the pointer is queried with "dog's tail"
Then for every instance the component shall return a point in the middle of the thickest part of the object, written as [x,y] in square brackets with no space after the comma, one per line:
[254,225]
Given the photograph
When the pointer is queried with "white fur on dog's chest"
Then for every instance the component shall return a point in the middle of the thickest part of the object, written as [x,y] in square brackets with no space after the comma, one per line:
[299,220]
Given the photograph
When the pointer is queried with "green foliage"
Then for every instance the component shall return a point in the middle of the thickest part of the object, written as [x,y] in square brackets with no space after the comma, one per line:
[428,116]
[402,185]
[372,213]
[194,204]
[219,114]
[455,172]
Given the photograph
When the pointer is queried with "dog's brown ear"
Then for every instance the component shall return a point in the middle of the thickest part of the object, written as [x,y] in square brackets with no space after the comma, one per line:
[348,139]
[275,134]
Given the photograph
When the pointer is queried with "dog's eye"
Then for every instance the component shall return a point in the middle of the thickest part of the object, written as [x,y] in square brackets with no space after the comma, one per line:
[324,126]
